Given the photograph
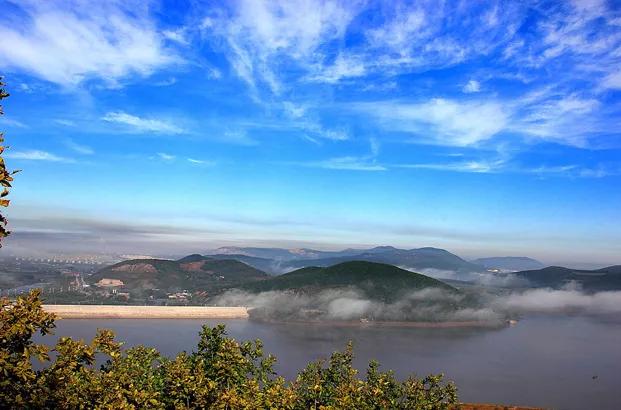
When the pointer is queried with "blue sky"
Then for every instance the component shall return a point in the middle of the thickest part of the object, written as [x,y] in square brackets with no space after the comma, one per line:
[487,128]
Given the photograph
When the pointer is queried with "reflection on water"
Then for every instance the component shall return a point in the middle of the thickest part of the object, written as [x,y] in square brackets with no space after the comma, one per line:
[543,361]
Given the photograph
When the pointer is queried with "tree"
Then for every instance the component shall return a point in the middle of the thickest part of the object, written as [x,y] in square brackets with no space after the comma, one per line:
[6,177]
[221,374]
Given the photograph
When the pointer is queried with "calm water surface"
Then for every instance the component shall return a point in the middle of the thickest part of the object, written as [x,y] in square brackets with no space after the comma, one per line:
[543,361]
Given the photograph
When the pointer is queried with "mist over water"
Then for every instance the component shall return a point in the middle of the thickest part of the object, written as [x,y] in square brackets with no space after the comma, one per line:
[432,304]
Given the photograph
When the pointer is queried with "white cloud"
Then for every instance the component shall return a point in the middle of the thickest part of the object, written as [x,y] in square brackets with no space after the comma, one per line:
[26,88]
[36,155]
[504,165]
[66,123]
[342,68]
[139,124]
[262,34]
[178,36]
[612,81]
[576,171]
[319,131]
[239,137]
[472,86]
[442,121]
[201,162]
[398,32]
[466,166]
[577,40]
[293,110]
[68,43]
[427,35]
[347,163]
[166,157]
[544,114]
[79,148]
[13,123]
[566,119]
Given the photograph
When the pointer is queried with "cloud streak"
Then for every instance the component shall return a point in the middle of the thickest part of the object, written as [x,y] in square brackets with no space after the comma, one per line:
[142,125]
[37,155]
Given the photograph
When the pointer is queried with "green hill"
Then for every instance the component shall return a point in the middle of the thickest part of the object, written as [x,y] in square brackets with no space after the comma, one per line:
[591,280]
[379,281]
[193,272]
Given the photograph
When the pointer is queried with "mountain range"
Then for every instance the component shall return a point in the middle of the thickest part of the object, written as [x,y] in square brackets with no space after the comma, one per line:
[278,260]
[368,272]
[509,263]
[590,280]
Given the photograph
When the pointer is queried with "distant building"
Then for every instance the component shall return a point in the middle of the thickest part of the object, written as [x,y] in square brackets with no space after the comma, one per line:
[110,283]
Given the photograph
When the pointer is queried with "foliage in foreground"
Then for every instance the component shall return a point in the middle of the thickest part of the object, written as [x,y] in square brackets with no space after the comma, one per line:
[6,177]
[220,374]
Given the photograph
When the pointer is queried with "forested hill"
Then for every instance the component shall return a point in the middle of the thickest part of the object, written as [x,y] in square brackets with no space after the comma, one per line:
[591,280]
[379,281]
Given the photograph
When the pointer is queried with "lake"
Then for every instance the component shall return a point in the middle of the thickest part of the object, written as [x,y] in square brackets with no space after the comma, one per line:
[542,361]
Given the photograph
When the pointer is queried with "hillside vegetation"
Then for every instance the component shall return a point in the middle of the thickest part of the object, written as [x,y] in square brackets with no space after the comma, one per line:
[194,272]
[379,281]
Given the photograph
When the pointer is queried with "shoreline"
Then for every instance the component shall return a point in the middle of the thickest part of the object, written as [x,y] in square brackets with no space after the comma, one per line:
[230,312]
[387,323]
[146,312]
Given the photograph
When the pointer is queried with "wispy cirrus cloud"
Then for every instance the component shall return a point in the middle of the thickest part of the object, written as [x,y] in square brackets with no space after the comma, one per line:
[68,43]
[12,122]
[612,81]
[441,121]
[546,114]
[201,162]
[565,118]
[238,137]
[259,35]
[140,124]
[506,166]
[36,155]
[347,163]
[78,148]
[466,166]
[276,56]
[66,123]
[166,157]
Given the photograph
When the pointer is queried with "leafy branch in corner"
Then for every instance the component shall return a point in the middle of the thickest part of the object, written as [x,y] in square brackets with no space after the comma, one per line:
[6,177]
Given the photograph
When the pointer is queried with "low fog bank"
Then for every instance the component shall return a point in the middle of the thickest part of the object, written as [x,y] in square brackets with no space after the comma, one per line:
[551,301]
[352,304]
[428,305]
